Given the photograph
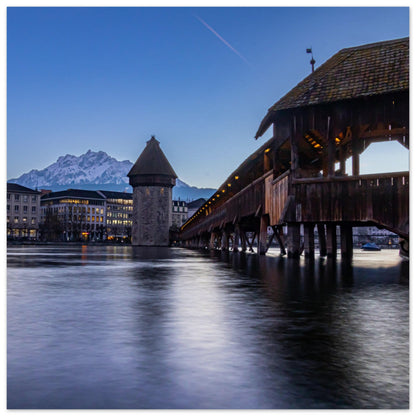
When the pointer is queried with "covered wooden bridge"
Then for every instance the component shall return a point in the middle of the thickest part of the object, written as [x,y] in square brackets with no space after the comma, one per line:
[298,177]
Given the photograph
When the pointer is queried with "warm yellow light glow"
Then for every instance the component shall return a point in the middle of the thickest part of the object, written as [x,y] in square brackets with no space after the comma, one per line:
[267,150]
[236,177]
[218,195]
[317,145]
[228,184]
[223,190]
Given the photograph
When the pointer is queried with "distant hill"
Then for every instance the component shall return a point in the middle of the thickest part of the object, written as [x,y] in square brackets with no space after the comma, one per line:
[96,170]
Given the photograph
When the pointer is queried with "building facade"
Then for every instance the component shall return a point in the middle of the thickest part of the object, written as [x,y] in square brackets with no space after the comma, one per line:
[23,212]
[118,219]
[73,215]
[179,213]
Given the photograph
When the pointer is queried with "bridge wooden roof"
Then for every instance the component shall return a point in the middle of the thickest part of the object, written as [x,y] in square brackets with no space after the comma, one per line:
[361,71]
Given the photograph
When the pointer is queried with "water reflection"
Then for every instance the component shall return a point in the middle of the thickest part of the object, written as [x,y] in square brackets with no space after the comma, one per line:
[124,327]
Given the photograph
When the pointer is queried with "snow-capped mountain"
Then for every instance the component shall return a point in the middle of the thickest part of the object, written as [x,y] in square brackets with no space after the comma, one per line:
[96,170]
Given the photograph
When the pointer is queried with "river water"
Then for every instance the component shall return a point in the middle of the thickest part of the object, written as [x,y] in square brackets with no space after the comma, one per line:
[123,327]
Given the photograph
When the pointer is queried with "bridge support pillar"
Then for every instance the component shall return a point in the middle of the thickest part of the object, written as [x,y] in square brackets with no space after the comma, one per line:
[331,240]
[262,239]
[309,240]
[278,232]
[322,239]
[236,239]
[225,244]
[346,241]
[242,235]
[212,241]
[293,240]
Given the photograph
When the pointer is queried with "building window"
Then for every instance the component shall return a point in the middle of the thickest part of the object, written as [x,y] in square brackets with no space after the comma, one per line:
[16,197]
[8,196]
[16,208]
[8,207]
[16,220]
[33,220]
[24,219]
[33,209]
[34,198]
[25,209]
[25,198]
[8,219]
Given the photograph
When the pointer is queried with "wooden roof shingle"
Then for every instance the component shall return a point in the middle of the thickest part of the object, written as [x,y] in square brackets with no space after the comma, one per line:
[361,71]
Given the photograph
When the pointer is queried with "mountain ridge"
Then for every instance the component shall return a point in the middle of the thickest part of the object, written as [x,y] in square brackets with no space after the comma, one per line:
[93,171]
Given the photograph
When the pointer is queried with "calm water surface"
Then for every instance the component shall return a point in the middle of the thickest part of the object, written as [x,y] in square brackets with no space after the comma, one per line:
[124,327]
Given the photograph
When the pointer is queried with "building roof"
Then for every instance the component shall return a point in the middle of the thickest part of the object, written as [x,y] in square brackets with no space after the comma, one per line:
[152,161]
[14,187]
[196,203]
[73,193]
[116,195]
[362,71]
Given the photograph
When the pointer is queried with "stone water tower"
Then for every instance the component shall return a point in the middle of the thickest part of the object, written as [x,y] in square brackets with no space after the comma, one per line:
[152,178]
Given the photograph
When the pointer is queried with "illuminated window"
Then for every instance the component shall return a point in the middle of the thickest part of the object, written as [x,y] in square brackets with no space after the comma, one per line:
[16,220]
[24,219]
[33,221]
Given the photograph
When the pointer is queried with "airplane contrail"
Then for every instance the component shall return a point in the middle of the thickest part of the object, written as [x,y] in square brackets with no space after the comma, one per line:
[222,39]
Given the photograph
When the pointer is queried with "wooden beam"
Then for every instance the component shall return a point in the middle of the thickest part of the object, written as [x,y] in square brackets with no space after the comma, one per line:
[322,240]
[346,241]
[331,240]
[262,240]
[293,240]
[330,137]
[295,134]
[309,239]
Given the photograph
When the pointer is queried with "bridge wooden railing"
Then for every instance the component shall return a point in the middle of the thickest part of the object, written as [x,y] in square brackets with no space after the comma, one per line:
[380,198]
[245,203]
[276,196]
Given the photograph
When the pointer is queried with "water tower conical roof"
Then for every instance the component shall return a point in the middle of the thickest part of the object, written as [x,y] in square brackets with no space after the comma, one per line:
[152,166]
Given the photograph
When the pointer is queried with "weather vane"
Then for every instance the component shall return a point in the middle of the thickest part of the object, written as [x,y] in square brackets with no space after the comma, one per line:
[309,50]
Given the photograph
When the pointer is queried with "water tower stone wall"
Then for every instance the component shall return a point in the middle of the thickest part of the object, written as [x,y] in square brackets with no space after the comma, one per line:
[152,178]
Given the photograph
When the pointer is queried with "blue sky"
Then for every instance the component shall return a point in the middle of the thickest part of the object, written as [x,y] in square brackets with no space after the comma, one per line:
[199,79]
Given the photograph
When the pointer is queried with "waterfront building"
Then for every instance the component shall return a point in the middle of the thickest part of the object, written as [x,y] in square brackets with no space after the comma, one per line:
[73,215]
[152,178]
[23,212]
[119,211]
[179,213]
